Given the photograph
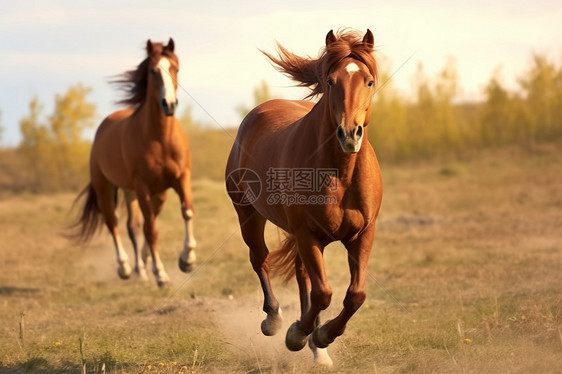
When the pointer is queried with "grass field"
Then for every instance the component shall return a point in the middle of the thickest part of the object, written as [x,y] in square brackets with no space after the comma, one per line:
[469,253]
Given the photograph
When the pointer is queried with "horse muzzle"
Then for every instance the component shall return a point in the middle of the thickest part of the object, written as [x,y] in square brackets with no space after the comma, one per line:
[350,141]
[169,108]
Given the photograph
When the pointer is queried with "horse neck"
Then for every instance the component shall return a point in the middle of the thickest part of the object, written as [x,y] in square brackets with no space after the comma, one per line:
[328,150]
[158,126]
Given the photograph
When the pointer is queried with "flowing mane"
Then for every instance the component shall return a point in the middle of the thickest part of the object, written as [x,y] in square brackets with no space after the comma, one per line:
[312,73]
[134,82]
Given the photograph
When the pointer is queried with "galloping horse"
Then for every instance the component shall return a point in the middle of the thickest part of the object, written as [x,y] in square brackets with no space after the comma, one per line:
[143,150]
[320,151]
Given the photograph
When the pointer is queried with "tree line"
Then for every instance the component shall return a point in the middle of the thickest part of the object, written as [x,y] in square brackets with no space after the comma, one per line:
[53,154]
[433,123]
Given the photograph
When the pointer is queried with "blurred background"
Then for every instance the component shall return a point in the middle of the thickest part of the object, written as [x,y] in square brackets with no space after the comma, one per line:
[456,76]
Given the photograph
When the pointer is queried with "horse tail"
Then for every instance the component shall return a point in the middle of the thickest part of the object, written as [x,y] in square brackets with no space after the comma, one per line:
[90,219]
[282,260]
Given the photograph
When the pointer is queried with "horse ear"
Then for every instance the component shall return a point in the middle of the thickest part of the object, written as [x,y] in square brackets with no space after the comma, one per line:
[330,38]
[369,39]
[170,47]
[149,47]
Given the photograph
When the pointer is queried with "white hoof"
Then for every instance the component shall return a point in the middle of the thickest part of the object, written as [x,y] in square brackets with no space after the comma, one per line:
[271,324]
[141,272]
[124,270]
[187,260]
[321,356]
[162,279]
[295,339]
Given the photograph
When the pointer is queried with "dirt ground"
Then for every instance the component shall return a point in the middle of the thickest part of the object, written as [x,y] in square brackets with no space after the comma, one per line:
[465,276]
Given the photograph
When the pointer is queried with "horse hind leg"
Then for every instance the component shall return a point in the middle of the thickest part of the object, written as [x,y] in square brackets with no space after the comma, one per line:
[151,207]
[133,228]
[106,203]
[252,225]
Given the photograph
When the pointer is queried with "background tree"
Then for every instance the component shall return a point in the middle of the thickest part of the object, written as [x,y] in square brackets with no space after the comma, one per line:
[542,91]
[262,93]
[72,115]
[36,146]
[388,128]
[189,124]
[498,113]
[55,151]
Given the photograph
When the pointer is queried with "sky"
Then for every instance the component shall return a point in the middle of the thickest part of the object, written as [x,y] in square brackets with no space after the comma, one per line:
[47,46]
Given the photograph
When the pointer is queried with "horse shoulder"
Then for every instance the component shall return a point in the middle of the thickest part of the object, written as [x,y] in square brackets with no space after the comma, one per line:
[179,157]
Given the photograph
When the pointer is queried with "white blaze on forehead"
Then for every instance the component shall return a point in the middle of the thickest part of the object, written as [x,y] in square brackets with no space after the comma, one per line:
[352,67]
[168,91]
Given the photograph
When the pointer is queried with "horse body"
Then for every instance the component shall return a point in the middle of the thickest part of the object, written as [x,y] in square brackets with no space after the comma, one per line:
[274,130]
[144,151]
[326,136]
[157,160]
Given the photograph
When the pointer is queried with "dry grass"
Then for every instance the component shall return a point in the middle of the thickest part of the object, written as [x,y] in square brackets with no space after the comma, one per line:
[470,248]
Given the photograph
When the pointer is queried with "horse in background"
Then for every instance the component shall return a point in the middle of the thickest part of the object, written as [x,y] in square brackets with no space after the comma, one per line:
[329,138]
[144,151]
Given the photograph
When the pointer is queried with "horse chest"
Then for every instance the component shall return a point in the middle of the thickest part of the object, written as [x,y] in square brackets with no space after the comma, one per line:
[349,216]
[160,167]
[337,223]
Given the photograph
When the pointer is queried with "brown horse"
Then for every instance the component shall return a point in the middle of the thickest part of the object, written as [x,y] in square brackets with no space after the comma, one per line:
[144,151]
[323,183]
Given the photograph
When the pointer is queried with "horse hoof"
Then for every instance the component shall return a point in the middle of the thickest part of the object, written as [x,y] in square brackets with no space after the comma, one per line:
[271,324]
[141,273]
[295,339]
[185,266]
[162,283]
[320,338]
[321,356]
[162,280]
[124,271]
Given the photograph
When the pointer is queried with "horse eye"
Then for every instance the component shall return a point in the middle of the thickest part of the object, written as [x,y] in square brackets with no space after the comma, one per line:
[330,82]
[370,84]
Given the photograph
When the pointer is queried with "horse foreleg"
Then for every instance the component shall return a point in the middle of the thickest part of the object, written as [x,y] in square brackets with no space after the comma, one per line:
[358,258]
[310,252]
[187,257]
[252,225]
[321,356]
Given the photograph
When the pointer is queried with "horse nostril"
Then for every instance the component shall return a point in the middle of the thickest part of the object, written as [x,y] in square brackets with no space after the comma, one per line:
[340,133]
[358,132]
[164,103]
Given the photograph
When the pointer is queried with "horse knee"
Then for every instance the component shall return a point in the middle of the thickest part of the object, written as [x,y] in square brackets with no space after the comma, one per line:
[187,213]
[321,297]
[354,299]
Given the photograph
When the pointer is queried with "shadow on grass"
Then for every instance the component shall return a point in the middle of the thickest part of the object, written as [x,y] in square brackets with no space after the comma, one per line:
[9,291]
